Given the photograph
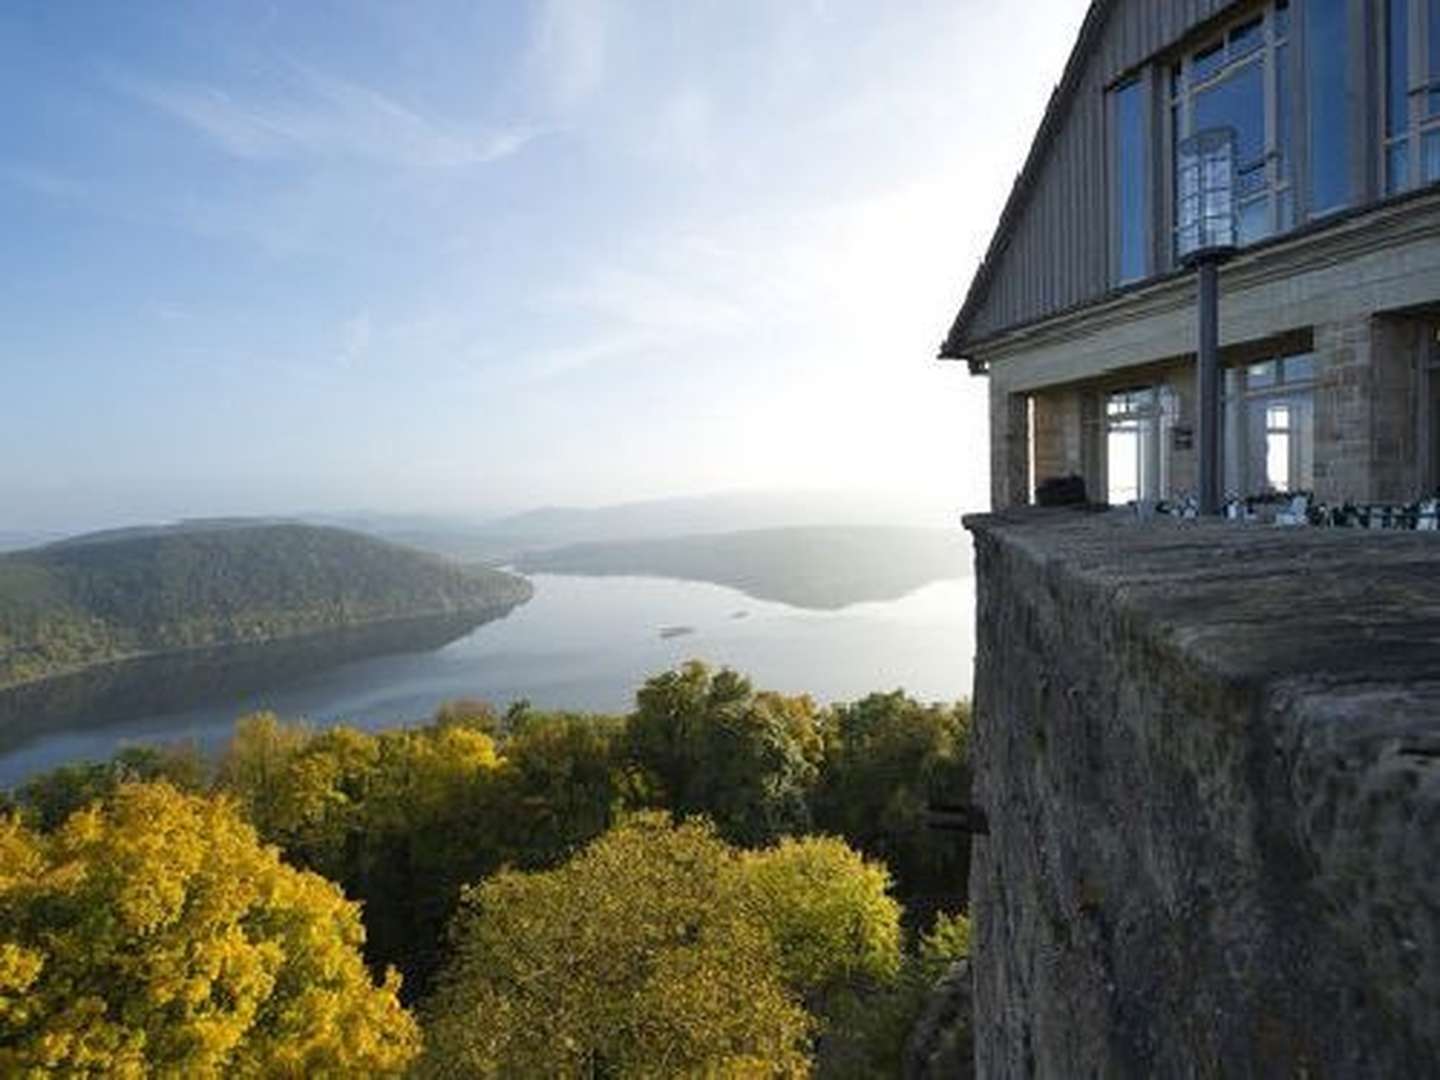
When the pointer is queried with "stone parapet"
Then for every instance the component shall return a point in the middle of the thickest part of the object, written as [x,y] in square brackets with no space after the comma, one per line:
[1210,759]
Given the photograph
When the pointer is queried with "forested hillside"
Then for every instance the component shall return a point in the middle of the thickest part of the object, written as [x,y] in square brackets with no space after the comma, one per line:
[130,593]
[723,882]
[827,566]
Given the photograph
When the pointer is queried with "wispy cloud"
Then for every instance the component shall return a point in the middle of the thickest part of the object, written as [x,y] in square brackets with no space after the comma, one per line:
[43,182]
[569,50]
[548,364]
[166,312]
[355,337]
[319,115]
[649,302]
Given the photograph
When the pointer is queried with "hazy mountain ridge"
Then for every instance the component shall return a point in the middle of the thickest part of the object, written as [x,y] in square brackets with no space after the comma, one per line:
[822,567]
[497,539]
[134,592]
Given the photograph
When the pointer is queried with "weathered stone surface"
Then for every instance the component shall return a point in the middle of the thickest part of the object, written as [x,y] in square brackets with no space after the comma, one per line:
[1210,756]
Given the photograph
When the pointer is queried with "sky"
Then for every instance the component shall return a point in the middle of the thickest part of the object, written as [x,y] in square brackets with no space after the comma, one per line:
[471,257]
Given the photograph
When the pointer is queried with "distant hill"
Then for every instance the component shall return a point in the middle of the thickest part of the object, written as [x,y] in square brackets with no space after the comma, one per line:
[136,592]
[14,539]
[499,539]
[822,567]
[707,514]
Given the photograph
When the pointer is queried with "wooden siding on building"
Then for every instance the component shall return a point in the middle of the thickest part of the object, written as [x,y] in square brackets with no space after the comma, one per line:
[1057,254]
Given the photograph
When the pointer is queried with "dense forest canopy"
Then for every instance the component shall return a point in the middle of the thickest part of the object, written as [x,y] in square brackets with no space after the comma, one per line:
[683,888]
[135,592]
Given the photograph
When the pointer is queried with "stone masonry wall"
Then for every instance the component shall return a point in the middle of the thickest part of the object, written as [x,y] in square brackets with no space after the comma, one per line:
[1058,434]
[1364,410]
[1210,758]
[1009,447]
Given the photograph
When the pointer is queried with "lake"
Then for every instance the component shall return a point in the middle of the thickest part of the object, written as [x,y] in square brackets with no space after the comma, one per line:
[583,643]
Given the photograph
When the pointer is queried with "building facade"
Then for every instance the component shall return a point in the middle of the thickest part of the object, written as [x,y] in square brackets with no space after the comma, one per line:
[1084,320]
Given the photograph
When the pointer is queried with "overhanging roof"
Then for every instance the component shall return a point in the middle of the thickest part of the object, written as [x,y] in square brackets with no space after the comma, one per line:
[957,341]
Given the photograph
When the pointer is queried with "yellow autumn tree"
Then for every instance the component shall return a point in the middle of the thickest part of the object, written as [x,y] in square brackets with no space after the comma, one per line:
[829,911]
[635,958]
[153,933]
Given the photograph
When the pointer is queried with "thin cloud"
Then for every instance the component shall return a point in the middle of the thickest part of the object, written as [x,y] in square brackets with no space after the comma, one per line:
[545,365]
[569,50]
[326,117]
[355,337]
[650,303]
[49,184]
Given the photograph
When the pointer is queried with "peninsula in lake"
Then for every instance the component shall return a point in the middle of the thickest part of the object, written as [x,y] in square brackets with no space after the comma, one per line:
[153,591]
[822,567]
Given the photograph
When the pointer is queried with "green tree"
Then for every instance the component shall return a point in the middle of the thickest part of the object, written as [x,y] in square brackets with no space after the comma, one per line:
[887,756]
[255,769]
[867,1026]
[639,957]
[561,784]
[711,745]
[51,797]
[829,912]
[400,820]
[152,933]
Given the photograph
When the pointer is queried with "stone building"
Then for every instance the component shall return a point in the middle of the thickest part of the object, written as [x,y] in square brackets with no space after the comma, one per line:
[1084,319]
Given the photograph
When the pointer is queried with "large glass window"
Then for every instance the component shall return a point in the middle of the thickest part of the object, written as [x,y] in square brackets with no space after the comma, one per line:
[1412,93]
[1270,426]
[1132,208]
[1397,95]
[1241,80]
[1137,424]
[1328,53]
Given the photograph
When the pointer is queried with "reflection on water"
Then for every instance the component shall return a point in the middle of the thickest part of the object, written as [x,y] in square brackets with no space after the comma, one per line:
[580,643]
[160,685]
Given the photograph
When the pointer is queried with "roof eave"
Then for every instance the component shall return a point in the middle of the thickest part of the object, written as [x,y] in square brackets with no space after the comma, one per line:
[1019,192]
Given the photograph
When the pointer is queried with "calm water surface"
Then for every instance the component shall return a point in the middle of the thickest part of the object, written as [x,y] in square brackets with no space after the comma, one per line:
[580,643]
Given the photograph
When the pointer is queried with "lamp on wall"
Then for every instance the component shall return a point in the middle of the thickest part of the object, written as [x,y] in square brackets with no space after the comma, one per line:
[1206,224]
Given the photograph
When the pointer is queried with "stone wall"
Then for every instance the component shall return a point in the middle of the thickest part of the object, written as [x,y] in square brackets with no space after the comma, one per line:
[1009,447]
[1210,758]
[1059,433]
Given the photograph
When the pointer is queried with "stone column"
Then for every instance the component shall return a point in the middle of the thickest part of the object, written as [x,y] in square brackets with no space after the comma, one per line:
[1395,452]
[1365,447]
[1009,447]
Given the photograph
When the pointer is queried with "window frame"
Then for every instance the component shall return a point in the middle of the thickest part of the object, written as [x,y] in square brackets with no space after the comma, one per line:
[1148,413]
[1141,83]
[1242,397]
[1421,84]
[1281,164]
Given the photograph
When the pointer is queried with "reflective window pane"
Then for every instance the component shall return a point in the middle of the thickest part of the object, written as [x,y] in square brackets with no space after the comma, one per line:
[1300,368]
[1131,204]
[1282,111]
[1254,220]
[1136,434]
[1430,156]
[1397,67]
[1433,51]
[1397,167]
[1247,37]
[1261,374]
[1237,101]
[1207,62]
[1282,19]
[1277,447]
[1329,45]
